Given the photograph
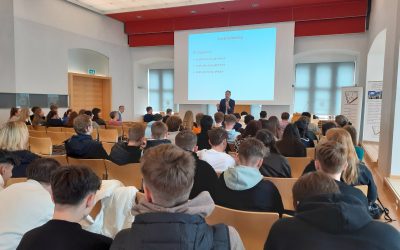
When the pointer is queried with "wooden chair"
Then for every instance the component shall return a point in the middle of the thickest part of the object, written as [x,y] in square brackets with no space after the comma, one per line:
[108,146]
[95,134]
[15,180]
[253,227]
[108,135]
[311,153]
[65,129]
[30,127]
[39,128]
[62,159]
[38,134]
[363,188]
[284,186]
[57,138]
[298,164]
[97,165]
[128,174]
[118,128]
[54,129]
[41,146]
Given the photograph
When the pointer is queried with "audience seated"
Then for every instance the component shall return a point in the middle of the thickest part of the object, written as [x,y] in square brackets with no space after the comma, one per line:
[90,114]
[270,126]
[219,119]
[156,118]
[7,163]
[14,114]
[356,172]
[326,219]
[149,116]
[82,145]
[263,115]
[114,119]
[205,178]
[290,145]
[243,115]
[71,118]
[159,132]
[312,127]
[73,192]
[306,137]
[38,118]
[96,117]
[243,186]
[353,133]
[325,128]
[216,156]
[274,164]
[129,152]
[247,118]
[238,125]
[188,120]
[196,126]
[274,126]
[283,123]
[165,218]
[168,113]
[14,137]
[24,116]
[26,205]
[202,138]
[230,121]
[66,116]
[174,124]
[53,120]
[331,159]
[250,131]
[341,121]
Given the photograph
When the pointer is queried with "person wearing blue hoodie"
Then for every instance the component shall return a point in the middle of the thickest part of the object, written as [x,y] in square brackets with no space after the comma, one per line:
[82,145]
[243,187]
[328,219]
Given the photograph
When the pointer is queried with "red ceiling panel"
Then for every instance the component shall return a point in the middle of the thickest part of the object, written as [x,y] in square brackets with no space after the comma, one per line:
[312,17]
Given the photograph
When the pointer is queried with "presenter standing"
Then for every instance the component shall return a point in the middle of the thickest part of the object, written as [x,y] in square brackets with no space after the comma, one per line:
[227,105]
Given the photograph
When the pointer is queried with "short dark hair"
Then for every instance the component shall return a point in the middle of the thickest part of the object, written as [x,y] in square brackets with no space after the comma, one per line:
[148,108]
[7,157]
[158,130]
[168,111]
[113,114]
[243,113]
[186,140]
[251,129]
[88,112]
[228,91]
[308,114]
[263,114]
[327,126]
[252,148]
[313,184]
[219,117]
[168,171]
[96,112]
[248,118]
[174,123]
[71,184]
[332,156]
[285,116]
[217,136]
[237,115]
[206,123]
[157,117]
[34,108]
[266,137]
[42,169]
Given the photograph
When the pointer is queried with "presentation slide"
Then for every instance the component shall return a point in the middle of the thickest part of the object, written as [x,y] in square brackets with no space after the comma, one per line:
[218,61]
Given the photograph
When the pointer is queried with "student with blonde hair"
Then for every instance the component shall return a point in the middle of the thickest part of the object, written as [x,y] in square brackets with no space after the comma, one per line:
[24,116]
[188,120]
[14,138]
[14,114]
[356,172]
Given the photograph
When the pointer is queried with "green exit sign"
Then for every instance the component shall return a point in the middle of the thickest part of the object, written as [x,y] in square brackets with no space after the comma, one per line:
[91,71]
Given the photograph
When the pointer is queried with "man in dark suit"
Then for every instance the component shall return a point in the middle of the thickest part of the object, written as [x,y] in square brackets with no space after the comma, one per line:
[227,105]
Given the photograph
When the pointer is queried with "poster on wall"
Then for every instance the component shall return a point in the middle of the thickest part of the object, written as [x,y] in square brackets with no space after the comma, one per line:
[373,107]
[352,99]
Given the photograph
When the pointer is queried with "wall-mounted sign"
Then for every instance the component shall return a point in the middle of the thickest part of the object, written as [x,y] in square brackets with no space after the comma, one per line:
[91,71]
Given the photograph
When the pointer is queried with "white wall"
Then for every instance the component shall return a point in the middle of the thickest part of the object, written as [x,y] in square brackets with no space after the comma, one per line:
[385,14]
[45,30]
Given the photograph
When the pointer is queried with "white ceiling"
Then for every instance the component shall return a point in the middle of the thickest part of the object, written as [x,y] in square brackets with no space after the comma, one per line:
[119,6]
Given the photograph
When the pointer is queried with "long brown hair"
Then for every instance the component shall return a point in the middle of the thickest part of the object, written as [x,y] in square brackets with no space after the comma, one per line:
[188,120]
[350,174]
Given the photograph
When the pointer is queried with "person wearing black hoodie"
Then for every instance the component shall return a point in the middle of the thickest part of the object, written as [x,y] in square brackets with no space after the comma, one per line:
[205,177]
[326,219]
[82,146]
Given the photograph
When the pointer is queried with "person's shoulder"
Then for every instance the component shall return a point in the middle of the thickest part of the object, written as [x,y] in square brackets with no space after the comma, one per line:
[120,240]
[98,239]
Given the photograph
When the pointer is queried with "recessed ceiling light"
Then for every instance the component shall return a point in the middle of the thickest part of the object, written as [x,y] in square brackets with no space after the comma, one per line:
[255,5]
[138,17]
[193,12]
